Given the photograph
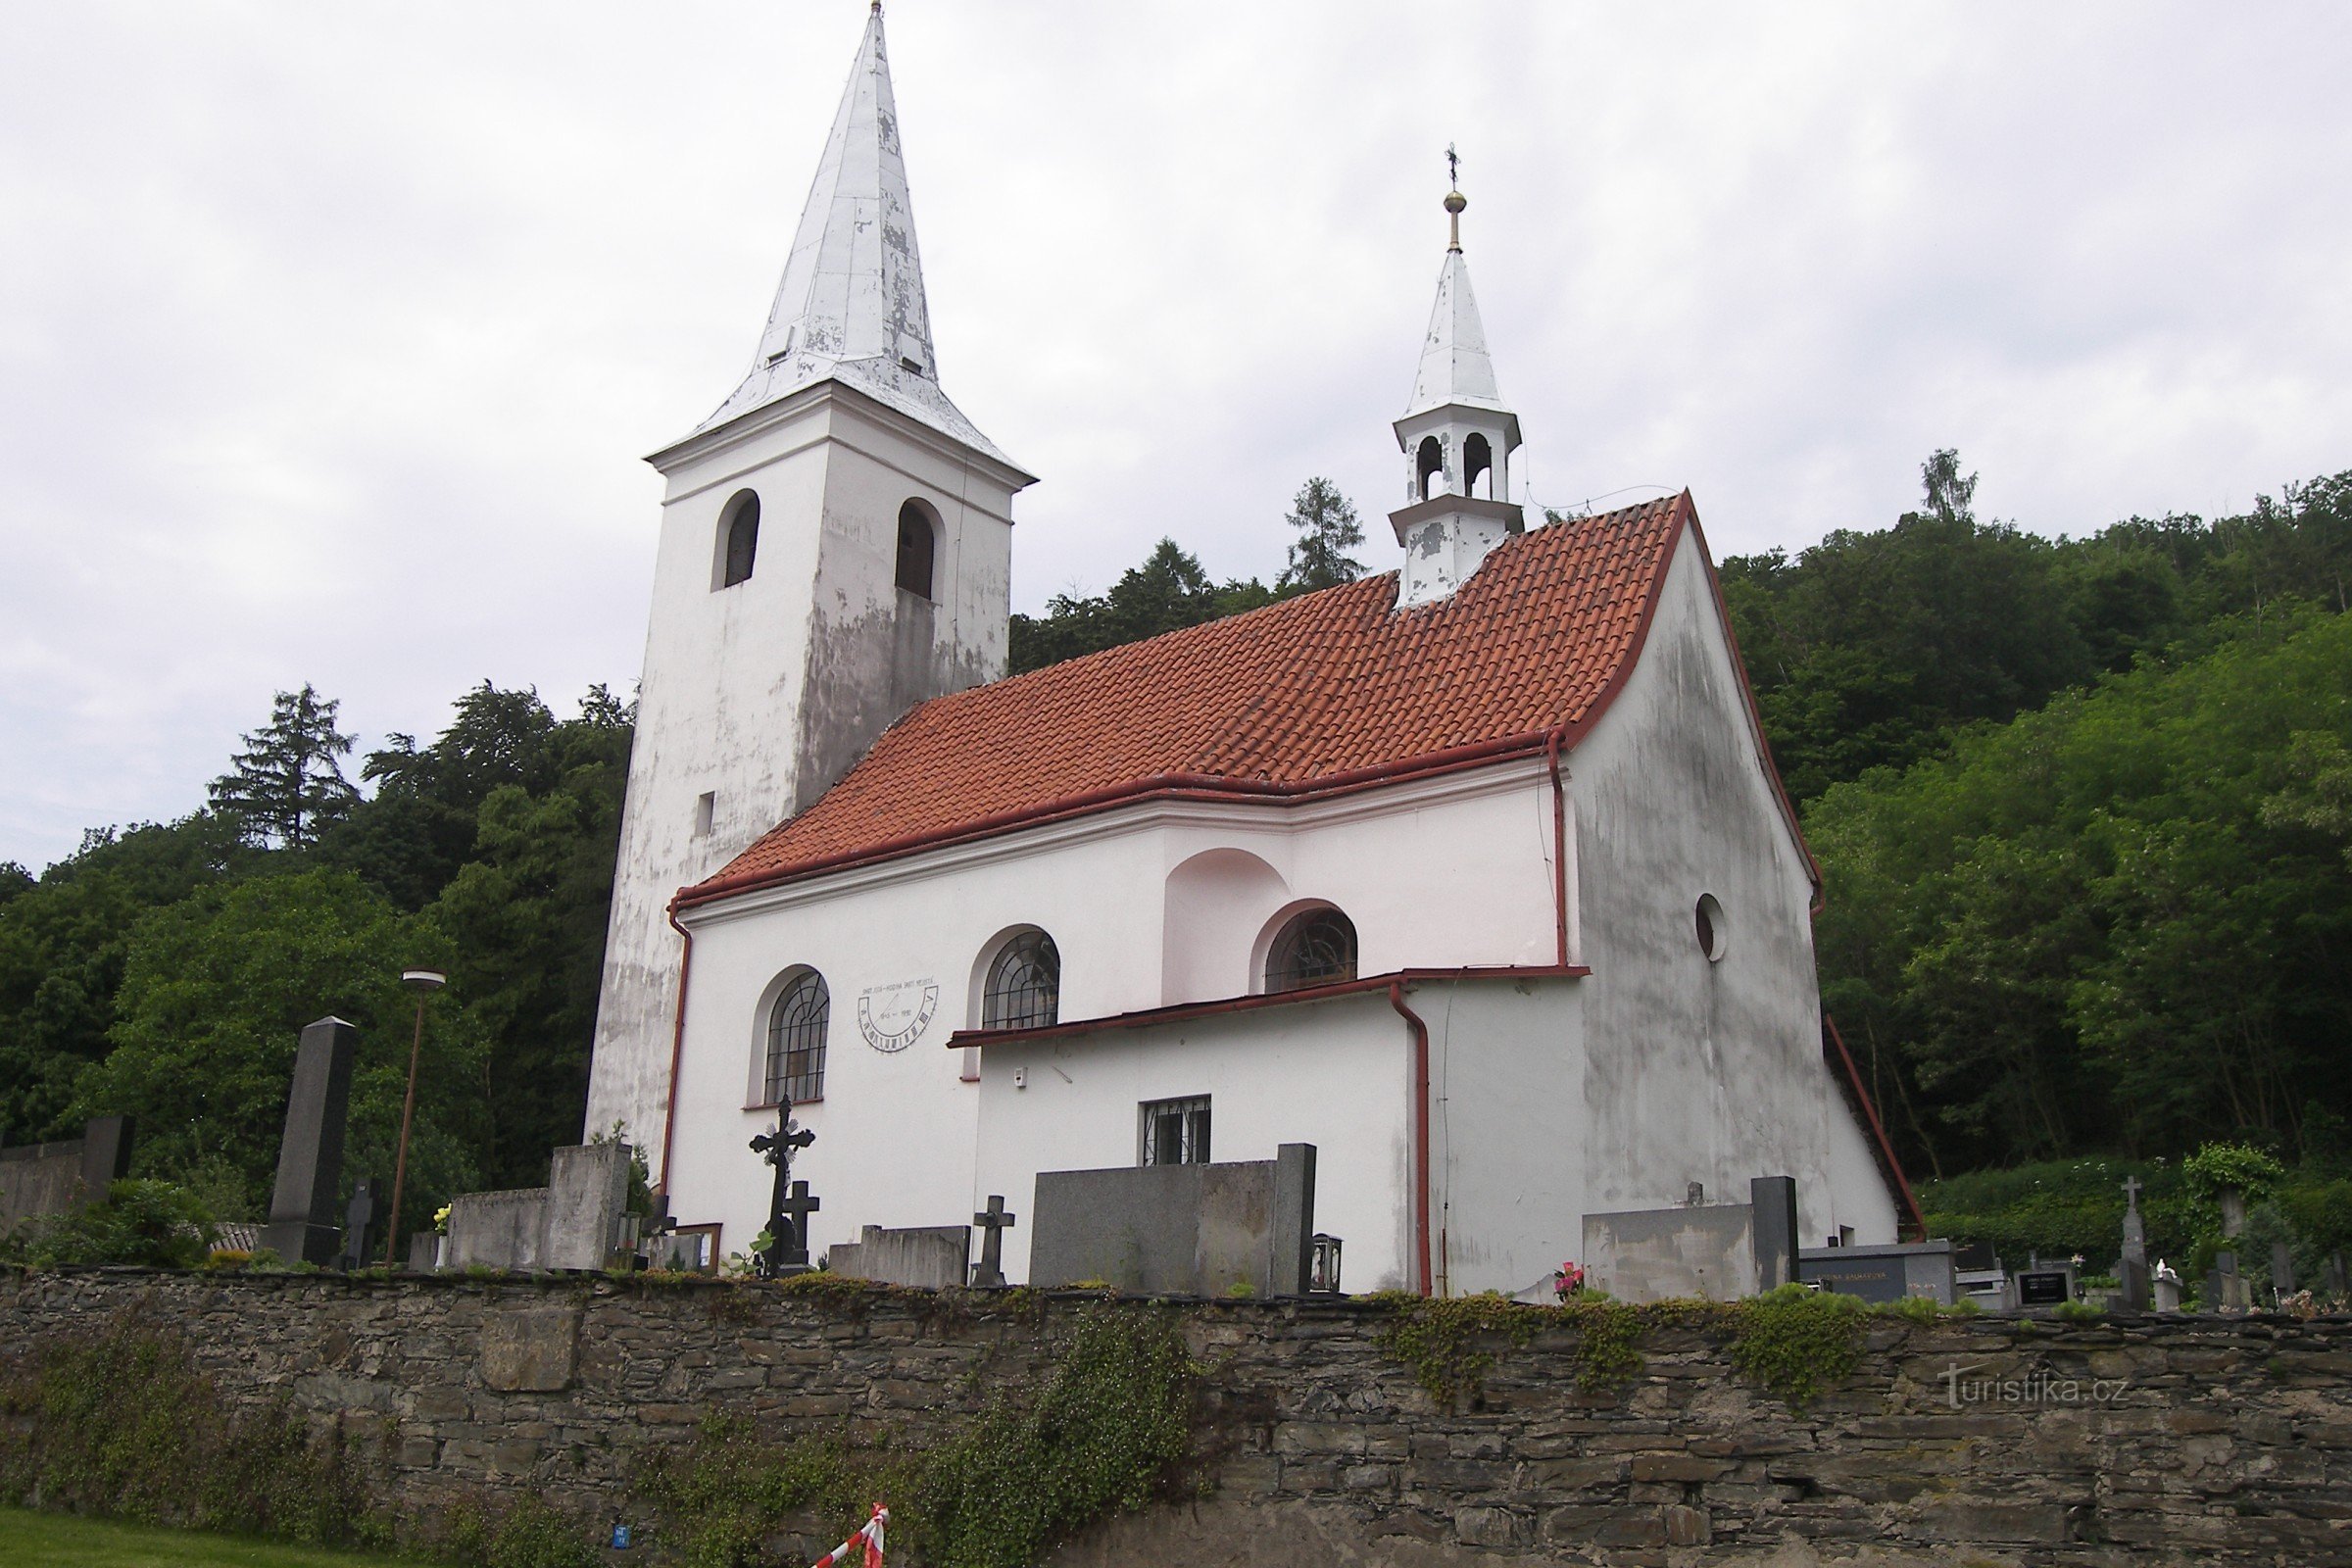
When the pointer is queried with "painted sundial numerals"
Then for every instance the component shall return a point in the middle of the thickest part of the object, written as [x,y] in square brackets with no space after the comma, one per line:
[893,1017]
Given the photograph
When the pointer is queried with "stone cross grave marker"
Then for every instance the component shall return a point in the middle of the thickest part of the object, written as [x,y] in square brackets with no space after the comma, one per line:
[2133,1270]
[310,1160]
[989,1272]
[787,1226]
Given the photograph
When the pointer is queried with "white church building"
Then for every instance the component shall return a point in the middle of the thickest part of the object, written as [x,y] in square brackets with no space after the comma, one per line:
[1474,874]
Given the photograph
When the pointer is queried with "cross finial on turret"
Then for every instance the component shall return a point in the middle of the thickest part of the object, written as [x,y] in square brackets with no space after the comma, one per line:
[1454,199]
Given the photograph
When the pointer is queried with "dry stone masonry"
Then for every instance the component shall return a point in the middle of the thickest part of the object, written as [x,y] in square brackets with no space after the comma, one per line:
[1989,1440]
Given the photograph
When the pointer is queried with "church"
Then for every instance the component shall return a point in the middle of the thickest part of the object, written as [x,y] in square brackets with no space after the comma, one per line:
[1474,874]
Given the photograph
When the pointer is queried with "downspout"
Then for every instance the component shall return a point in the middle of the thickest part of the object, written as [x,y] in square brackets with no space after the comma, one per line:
[1559,841]
[677,1046]
[1420,1033]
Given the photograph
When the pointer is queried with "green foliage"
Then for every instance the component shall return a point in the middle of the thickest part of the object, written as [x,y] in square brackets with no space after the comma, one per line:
[288,784]
[1327,529]
[2081,930]
[1169,592]
[2219,1167]
[216,991]
[150,1223]
[1450,1342]
[1104,1435]
[526,1534]
[1794,1342]
[2060,1209]
[117,1421]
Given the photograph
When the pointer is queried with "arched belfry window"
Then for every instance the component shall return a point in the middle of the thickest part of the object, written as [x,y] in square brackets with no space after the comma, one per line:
[1478,458]
[739,532]
[1430,461]
[796,1040]
[1023,990]
[918,543]
[1314,948]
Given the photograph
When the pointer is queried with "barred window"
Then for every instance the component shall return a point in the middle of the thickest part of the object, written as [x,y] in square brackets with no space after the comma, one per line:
[1024,984]
[796,1041]
[1315,949]
[1176,1131]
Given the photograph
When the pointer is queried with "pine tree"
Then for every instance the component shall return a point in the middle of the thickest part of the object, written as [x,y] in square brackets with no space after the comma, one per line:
[1327,531]
[286,784]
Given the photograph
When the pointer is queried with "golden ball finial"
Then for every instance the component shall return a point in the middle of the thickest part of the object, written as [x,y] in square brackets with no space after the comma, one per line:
[1455,201]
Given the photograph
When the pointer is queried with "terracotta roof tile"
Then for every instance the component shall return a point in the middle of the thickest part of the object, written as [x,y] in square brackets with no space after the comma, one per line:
[1296,696]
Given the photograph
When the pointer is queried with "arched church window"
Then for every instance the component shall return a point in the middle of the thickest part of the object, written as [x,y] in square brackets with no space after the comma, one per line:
[739,527]
[1430,461]
[919,542]
[1478,458]
[1024,984]
[796,1040]
[1316,947]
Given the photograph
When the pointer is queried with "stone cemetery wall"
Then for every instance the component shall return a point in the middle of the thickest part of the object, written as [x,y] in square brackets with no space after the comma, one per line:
[2142,1440]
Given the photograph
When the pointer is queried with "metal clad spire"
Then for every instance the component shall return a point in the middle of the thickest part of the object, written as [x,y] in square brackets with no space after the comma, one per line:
[1454,365]
[851,305]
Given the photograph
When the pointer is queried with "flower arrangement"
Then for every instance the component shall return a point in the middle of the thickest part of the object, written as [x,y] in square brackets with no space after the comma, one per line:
[1568,1281]
[441,1220]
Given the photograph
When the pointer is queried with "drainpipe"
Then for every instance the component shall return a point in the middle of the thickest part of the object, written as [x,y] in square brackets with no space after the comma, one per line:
[677,1046]
[1559,842]
[1420,1033]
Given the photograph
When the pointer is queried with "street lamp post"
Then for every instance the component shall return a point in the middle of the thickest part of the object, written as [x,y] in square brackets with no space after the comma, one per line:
[425,982]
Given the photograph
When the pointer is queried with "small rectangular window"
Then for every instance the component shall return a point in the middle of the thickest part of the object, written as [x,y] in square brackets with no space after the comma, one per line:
[705,810]
[1176,1132]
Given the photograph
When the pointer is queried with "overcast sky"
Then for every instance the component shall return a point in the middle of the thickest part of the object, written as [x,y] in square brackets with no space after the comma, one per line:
[331,337]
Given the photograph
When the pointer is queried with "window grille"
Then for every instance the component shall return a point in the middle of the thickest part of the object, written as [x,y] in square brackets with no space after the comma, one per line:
[1176,1131]
[796,1041]
[1024,984]
[1315,949]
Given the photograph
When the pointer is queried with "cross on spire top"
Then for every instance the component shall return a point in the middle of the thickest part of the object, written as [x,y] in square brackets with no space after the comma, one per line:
[1454,160]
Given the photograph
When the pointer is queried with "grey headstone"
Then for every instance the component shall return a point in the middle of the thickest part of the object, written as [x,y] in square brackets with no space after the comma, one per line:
[498,1230]
[1656,1254]
[588,1194]
[2331,1277]
[1294,1219]
[105,1154]
[309,1159]
[994,1221]
[1178,1229]
[2283,1269]
[424,1252]
[932,1256]
[1889,1273]
[1774,1200]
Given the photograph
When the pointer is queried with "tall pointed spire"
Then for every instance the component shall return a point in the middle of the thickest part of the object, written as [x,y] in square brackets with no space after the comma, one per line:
[851,305]
[1454,367]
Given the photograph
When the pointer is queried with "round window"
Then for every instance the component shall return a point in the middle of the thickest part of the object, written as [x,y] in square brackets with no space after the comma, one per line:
[1711,930]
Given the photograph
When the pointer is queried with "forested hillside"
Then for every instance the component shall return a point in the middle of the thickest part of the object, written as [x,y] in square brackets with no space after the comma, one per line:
[2084,807]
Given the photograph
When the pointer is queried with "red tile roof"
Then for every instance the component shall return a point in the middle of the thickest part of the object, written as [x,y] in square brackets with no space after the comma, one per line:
[1322,692]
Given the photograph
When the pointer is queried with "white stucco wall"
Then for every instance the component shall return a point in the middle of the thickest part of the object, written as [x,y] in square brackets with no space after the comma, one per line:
[1445,872]
[724,706]
[1700,1071]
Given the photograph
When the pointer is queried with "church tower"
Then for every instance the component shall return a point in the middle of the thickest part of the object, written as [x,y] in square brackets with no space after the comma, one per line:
[1457,436]
[835,548]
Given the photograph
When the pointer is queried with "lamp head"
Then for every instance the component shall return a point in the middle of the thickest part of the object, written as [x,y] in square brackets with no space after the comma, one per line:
[423,980]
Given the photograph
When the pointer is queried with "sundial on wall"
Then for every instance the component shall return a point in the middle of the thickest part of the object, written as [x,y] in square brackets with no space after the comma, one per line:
[893,1017]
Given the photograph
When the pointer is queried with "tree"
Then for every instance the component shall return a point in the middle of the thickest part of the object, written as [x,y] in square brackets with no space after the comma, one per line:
[1169,591]
[286,785]
[215,992]
[1327,531]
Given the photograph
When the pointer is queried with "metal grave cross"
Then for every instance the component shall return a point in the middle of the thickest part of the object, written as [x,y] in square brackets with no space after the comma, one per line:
[989,1272]
[786,1229]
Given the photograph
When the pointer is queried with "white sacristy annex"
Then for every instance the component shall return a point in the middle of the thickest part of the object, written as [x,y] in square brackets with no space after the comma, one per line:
[1474,874]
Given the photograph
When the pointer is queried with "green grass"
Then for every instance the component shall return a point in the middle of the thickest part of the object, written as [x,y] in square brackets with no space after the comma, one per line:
[30,1539]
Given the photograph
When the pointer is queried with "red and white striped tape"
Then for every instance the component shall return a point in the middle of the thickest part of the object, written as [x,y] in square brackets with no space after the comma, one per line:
[870,1538]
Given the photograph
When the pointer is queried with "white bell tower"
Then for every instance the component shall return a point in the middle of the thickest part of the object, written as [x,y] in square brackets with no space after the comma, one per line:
[1457,437]
[835,548]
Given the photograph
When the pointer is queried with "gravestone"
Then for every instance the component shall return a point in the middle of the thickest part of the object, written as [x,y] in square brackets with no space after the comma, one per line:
[38,1180]
[2282,1270]
[2164,1285]
[2132,1271]
[302,1225]
[932,1257]
[1179,1230]
[2331,1276]
[354,1223]
[2225,1289]
[1888,1273]
[988,1273]
[576,1222]
[1717,1251]
[789,1205]
[2042,1288]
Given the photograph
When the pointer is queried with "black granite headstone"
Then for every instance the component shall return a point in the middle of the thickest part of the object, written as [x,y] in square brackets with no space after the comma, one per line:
[310,1160]
[1772,1202]
[356,1220]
